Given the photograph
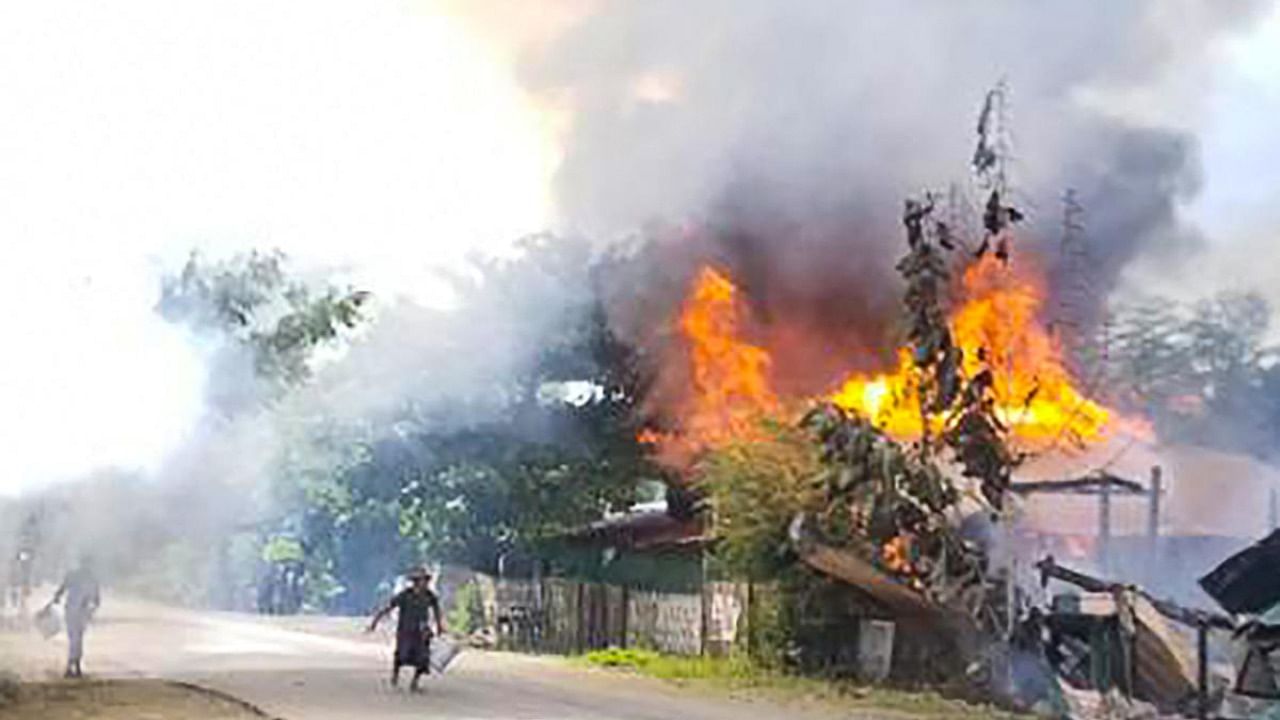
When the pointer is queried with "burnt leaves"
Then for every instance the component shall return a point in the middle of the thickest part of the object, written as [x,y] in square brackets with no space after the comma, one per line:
[893,500]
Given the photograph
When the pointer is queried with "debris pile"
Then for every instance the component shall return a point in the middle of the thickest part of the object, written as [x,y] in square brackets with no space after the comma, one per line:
[899,517]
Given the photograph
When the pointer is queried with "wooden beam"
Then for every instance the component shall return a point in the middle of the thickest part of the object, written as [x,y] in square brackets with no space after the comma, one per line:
[1089,485]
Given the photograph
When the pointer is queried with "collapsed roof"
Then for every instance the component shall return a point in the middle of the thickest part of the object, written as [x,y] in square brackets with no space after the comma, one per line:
[1247,582]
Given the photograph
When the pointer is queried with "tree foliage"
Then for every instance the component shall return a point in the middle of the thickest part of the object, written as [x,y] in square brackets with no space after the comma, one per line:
[961,407]
[252,299]
[1203,371]
[552,446]
[753,490]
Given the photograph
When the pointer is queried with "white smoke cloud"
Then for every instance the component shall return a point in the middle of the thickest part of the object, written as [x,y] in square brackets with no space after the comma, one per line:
[1240,147]
[374,138]
[800,126]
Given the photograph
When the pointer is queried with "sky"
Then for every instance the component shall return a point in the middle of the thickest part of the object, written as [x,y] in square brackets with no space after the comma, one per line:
[1241,154]
[374,138]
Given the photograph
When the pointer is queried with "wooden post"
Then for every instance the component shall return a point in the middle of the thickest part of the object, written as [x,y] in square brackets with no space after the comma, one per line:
[1104,527]
[704,624]
[580,640]
[1010,584]
[1202,647]
[626,614]
[1131,665]
[1153,524]
[1275,511]
[705,606]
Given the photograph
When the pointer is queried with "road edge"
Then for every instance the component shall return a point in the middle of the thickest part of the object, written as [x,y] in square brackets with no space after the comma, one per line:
[225,697]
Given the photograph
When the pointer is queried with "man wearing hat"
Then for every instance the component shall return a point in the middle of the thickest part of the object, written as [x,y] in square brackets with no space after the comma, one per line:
[417,607]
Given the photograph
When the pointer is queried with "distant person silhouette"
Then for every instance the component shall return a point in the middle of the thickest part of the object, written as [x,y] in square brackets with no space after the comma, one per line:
[22,569]
[81,594]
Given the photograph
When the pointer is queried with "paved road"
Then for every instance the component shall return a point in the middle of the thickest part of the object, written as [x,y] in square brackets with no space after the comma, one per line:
[327,669]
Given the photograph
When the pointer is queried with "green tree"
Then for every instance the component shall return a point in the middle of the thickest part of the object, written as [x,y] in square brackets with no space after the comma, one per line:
[1148,353]
[1226,341]
[257,310]
[1201,372]
[523,424]
[562,454]
[754,490]
[251,299]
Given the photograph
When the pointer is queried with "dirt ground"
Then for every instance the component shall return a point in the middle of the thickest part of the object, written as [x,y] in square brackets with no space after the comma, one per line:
[120,700]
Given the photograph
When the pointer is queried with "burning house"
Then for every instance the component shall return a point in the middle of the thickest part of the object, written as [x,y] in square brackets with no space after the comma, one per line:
[974,452]
[961,441]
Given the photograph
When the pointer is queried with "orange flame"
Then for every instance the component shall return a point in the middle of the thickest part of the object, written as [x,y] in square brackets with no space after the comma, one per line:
[897,558]
[730,376]
[649,436]
[1035,395]
[996,325]
[895,555]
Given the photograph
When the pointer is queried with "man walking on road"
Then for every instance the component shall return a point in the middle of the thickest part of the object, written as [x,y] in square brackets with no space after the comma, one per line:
[417,607]
[80,589]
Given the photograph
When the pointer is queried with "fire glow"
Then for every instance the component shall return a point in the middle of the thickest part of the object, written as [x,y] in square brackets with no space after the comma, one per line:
[995,322]
[730,377]
[995,325]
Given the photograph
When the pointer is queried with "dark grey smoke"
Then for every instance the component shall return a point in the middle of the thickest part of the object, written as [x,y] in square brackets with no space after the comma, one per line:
[794,129]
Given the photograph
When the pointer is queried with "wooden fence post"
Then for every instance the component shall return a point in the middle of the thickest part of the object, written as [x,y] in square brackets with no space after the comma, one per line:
[578,640]
[626,615]
[1153,524]
[1104,527]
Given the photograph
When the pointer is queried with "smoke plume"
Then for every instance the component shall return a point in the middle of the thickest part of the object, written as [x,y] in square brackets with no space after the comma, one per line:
[787,134]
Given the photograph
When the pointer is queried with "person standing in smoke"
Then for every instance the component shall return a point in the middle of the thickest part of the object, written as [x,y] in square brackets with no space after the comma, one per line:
[81,594]
[419,615]
[20,574]
[22,571]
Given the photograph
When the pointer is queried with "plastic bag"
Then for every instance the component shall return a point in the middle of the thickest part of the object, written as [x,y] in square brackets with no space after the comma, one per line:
[443,652]
[48,622]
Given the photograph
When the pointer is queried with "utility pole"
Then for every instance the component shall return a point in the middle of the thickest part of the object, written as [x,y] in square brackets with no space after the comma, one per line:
[1104,527]
[1074,292]
[1153,524]
[1274,515]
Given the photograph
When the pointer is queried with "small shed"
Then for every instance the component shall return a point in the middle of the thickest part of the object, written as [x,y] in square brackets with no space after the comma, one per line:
[647,547]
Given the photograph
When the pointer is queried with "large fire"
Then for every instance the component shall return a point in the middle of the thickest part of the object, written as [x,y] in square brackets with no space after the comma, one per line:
[995,323]
[730,376]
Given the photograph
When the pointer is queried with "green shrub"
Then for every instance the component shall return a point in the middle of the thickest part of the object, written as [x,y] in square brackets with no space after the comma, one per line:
[467,614]
[735,668]
[622,658]
[754,489]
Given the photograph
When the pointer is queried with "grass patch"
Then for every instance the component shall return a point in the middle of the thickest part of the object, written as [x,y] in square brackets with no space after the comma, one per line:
[737,672]
[120,700]
[677,667]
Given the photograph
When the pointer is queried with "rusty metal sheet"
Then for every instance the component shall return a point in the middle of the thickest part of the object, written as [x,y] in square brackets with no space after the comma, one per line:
[853,569]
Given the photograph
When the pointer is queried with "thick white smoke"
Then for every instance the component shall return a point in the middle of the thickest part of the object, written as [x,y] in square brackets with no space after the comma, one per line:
[374,139]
